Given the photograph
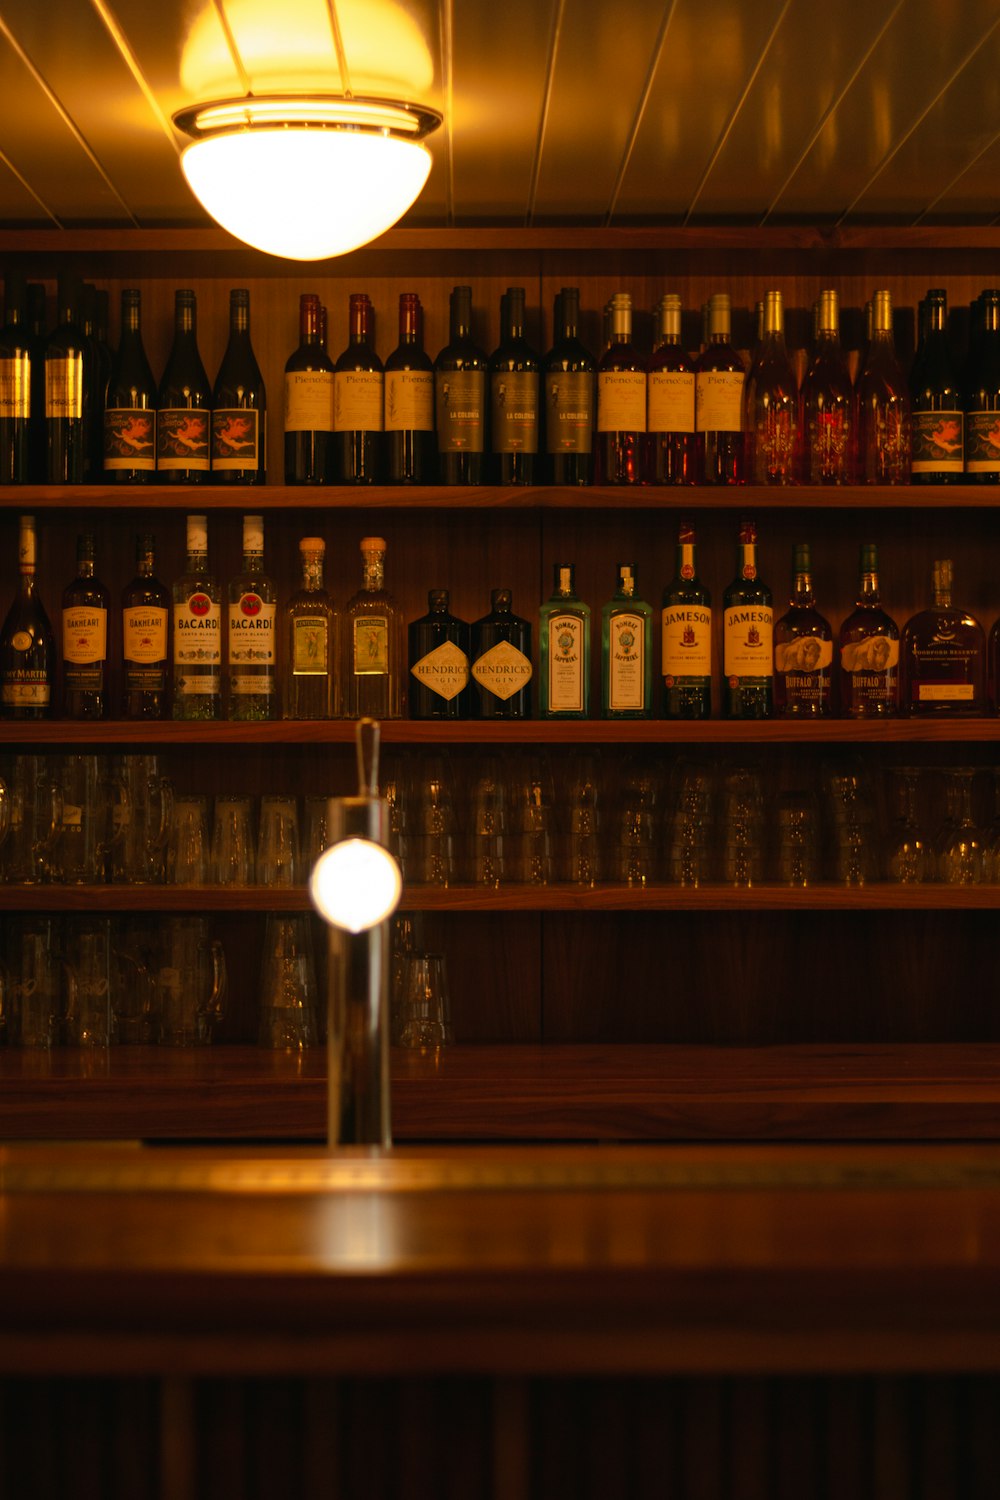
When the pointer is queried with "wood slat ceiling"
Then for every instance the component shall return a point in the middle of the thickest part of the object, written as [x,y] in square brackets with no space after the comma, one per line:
[557,111]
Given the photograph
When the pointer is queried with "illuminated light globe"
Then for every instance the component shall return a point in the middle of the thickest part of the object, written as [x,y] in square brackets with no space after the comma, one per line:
[355,884]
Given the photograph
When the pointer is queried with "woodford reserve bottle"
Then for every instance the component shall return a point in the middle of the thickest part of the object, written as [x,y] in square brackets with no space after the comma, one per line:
[869,650]
[145,621]
[803,649]
[250,640]
[944,655]
[438,658]
[747,636]
[686,624]
[564,650]
[197,632]
[501,662]
[85,638]
[626,651]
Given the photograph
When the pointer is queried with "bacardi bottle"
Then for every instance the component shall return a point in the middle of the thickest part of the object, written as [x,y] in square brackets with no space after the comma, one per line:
[197,632]
[250,648]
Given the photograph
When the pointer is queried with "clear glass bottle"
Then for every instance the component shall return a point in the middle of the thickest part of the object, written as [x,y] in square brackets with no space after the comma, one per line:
[803,649]
[981,393]
[621,401]
[747,636]
[373,643]
[409,401]
[16,357]
[671,448]
[311,689]
[564,650]
[27,645]
[514,396]
[358,399]
[239,404]
[438,657]
[196,631]
[309,402]
[944,655]
[184,403]
[130,406]
[936,401]
[883,401]
[460,390]
[719,379]
[250,641]
[85,638]
[626,651]
[828,402]
[869,650]
[145,627]
[568,373]
[686,628]
[501,662]
[771,405]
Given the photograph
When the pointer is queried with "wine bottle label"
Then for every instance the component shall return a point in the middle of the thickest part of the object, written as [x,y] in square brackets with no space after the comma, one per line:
[129,438]
[370,646]
[565,687]
[687,642]
[236,433]
[409,401]
[719,400]
[182,439]
[937,442]
[747,639]
[514,409]
[251,644]
[502,670]
[621,401]
[15,387]
[445,670]
[982,442]
[310,645]
[144,634]
[569,411]
[626,663]
[460,409]
[358,399]
[198,635]
[85,634]
[64,387]
[670,401]
[309,401]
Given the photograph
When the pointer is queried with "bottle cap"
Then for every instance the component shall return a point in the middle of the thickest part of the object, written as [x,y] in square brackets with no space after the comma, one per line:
[372,544]
[312,544]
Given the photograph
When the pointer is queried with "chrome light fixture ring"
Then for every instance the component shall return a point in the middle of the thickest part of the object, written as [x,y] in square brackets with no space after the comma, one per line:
[308,111]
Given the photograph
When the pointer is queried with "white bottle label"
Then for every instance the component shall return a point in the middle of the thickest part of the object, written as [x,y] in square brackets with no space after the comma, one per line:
[445,670]
[251,645]
[621,401]
[719,400]
[357,401]
[409,401]
[626,663]
[197,632]
[309,401]
[687,641]
[670,405]
[502,670]
[565,664]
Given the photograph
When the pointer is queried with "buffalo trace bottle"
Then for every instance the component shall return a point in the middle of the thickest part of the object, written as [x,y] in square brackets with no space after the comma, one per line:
[197,632]
[568,397]
[771,405]
[239,404]
[358,399]
[626,651]
[828,402]
[514,392]
[67,362]
[747,636]
[936,400]
[671,449]
[438,658]
[719,377]
[309,402]
[981,392]
[311,641]
[409,401]
[883,405]
[16,356]
[250,643]
[374,685]
[130,406]
[27,645]
[564,650]
[944,655]
[803,649]
[85,638]
[184,403]
[145,621]
[460,384]
[501,662]
[686,625]
[621,401]
[869,650]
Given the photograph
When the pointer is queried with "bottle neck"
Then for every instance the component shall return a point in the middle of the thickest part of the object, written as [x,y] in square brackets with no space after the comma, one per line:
[360,320]
[687,566]
[312,572]
[802,589]
[746,560]
[253,562]
[372,572]
[309,321]
[869,590]
[146,565]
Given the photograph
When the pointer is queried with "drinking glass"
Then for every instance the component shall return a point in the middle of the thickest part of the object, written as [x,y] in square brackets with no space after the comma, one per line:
[278,841]
[580,815]
[852,827]
[798,860]
[35,822]
[190,983]
[188,845]
[233,840]
[88,1013]
[636,833]
[134,972]
[93,806]
[139,843]
[316,831]
[424,1021]
[961,859]
[38,975]
[431,819]
[689,834]
[536,830]
[488,854]
[4,811]
[909,859]
[288,1018]
[742,827]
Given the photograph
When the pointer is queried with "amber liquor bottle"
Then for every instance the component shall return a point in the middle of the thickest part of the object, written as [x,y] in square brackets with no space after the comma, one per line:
[803,649]
[828,427]
[771,404]
[373,642]
[944,655]
[27,645]
[85,638]
[869,650]
[145,621]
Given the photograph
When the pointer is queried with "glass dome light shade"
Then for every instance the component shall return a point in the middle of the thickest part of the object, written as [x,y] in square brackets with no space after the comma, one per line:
[355,884]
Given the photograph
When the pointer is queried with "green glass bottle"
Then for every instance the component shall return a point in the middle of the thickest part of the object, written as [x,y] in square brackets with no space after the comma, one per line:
[686,621]
[748,637]
[564,650]
[626,651]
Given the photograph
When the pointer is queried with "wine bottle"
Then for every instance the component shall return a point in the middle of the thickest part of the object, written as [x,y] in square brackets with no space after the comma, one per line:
[460,382]
[747,636]
[358,400]
[670,437]
[621,401]
[514,391]
[869,650]
[309,402]
[568,374]
[85,638]
[771,405]
[311,638]
[686,621]
[27,645]
[66,370]
[564,650]
[828,402]
[719,379]
[981,393]
[501,662]
[803,649]
[250,645]
[130,406]
[409,401]
[184,403]
[239,404]
[438,656]
[145,621]
[626,651]
[937,417]
[197,632]
[373,638]
[883,400]
[37,339]
[97,373]
[15,385]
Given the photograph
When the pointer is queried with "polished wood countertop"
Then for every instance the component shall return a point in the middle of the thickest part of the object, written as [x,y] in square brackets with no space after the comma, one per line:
[698,1259]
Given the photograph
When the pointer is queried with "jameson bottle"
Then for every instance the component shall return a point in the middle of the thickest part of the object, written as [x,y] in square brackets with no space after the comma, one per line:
[564,650]
[373,637]
[981,393]
[883,398]
[501,662]
[409,401]
[686,624]
[85,638]
[460,390]
[514,395]
[438,657]
[16,355]
[27,645]
[943,652]
[568,372]
[66,369]
[621,401]
[130,407]
[145,621]
[626,651]
[828,402]
[184,403]
[937,417]
[197,632]
[869,650]
[311,640]
[239,404]
[719,379]
[671,449]
[771,405]
[358,400]
[37,338]
[250,641]
[747,636]
[309,402]
[803,649]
